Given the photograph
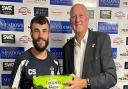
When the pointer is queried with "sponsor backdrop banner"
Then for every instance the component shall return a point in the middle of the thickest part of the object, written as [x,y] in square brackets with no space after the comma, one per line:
[108,16]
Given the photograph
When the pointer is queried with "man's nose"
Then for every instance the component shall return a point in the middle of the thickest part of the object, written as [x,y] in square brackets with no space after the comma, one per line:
[41,34]
[77,18]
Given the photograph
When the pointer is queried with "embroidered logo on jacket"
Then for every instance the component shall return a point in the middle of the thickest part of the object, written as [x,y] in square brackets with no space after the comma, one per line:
[32,71]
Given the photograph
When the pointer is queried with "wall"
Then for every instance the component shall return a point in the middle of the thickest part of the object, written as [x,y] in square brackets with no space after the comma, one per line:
[109,16]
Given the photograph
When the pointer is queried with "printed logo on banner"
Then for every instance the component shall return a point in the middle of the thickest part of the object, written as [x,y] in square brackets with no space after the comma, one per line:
[61,2]
[24,11]
[120,15]
[57,41]
[122,79]
[105,14]
[5,79]
[38,1]
[39,11]
[57,52]
[125,3]
[7,9]
[118,40]
[57,12]
[91,14]
[10,52]
[124,31]
[114,51]
[8,38]
[108,27]
[25,39]
[109,3]
[123,53]
[8,24]
[125,86]
[60,27]
[7,66]
[12,0]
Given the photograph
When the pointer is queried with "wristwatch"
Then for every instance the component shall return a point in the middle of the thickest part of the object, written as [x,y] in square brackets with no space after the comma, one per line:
[88,82]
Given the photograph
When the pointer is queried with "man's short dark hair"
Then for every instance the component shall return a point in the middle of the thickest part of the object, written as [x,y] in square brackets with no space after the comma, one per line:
[40,20]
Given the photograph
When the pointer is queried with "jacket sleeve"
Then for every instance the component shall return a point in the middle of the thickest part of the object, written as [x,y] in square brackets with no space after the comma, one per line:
[16,73]
[107,77]
[13,73]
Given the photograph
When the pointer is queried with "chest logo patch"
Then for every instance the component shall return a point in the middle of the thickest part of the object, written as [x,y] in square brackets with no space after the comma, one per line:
[32,71]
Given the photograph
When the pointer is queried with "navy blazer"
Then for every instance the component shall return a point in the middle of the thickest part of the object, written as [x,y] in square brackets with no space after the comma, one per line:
[98,63]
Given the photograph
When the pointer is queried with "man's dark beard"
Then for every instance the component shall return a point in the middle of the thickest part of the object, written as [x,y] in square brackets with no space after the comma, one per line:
[38,48]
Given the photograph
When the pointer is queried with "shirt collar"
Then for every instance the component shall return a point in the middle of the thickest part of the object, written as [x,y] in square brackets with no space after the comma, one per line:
[83,40]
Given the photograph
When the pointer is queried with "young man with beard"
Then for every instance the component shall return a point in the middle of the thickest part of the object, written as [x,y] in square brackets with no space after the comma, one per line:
[37,60]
